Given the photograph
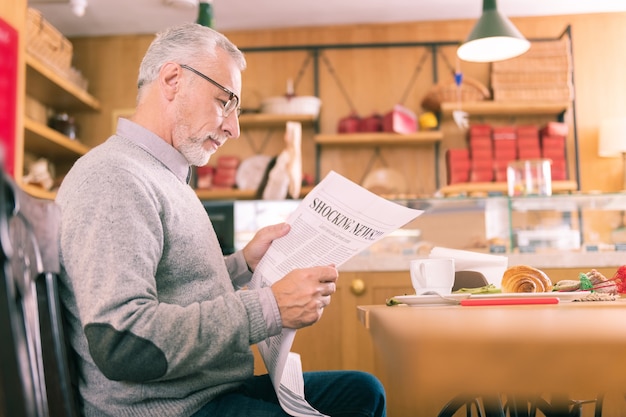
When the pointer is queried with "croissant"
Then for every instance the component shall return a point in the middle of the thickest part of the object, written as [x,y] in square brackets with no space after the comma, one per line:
[523,278]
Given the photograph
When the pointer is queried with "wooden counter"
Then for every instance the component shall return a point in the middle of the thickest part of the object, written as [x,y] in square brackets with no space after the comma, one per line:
[428,354]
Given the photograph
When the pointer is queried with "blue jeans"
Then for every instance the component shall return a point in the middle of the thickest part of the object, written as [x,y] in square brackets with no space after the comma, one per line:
[334,393]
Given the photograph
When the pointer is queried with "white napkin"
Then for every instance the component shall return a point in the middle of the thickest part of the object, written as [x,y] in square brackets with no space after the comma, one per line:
[491,266]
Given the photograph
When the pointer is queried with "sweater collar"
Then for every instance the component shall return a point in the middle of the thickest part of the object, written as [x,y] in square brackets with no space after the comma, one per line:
[156,146]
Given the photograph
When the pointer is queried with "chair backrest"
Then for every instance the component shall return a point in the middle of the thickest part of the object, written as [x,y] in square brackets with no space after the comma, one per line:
[35,372]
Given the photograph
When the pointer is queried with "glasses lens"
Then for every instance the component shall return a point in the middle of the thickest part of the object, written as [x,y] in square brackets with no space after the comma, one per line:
[231,105]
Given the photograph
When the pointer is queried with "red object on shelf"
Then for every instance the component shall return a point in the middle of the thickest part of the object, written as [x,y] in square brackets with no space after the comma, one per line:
[527,130]
[223,179]
[499,175]
[553,140]
[457,154]
[558,170]
[349,124]
[504,155]
[481,175]
[481,164]
[480,130]
[504,133]
[529,153]
[528,147]
[505,145]
[400,120]
[553,153]
[227,161]
[371,123]
[457,165]
[555,129]
[204,176]
[481,154]
[480,142]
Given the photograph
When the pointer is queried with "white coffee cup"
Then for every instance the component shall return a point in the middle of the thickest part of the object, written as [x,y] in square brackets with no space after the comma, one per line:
[432,274]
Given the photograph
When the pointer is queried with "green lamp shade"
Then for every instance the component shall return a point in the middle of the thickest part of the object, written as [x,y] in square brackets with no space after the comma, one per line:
[494,38]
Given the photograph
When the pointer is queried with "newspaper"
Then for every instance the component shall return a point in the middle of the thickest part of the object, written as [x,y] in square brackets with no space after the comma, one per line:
[334,222]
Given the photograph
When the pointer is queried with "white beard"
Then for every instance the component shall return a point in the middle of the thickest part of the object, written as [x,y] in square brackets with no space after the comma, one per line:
[193,151]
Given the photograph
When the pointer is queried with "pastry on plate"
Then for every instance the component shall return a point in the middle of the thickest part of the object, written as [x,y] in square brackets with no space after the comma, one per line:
[524,278]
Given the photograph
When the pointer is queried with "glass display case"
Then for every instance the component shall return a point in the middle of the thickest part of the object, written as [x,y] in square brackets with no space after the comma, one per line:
[554,230]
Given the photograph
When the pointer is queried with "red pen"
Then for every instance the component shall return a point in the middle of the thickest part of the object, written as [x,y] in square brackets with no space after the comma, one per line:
[508,301]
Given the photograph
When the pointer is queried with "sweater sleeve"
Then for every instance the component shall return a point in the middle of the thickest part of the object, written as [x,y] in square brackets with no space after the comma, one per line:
[238,269]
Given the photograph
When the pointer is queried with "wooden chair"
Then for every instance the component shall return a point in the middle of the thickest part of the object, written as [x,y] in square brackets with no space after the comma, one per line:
[35,372]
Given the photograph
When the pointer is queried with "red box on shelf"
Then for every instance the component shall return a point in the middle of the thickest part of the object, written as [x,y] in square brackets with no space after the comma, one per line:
[528,141]
[481,154]
[558,170]
[553,153]
[457,154]
[480,130]
[458,165]
[504,133]
[527,130]
[555,129]
[504,155]
[480,142]
[400,120]
[481,175]
[500,175]
[528,153]
[525,146]
[456,177]
[553,141]
[505,145]
[228,161]
[481,163]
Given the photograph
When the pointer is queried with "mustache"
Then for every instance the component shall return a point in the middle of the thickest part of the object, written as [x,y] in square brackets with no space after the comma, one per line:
[219,139]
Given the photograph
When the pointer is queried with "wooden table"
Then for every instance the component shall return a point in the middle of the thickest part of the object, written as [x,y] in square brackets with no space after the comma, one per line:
[427,354]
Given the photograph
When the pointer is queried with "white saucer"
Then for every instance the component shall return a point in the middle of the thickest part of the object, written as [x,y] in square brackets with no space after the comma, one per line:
[415,300]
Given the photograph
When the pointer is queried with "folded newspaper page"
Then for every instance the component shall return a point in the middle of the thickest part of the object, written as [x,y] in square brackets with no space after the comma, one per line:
[334,222]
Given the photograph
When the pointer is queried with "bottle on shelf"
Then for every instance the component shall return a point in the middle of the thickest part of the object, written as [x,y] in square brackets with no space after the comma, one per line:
[205,13]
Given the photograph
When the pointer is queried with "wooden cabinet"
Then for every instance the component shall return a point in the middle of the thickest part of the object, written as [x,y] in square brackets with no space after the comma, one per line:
[338,340]
[53,91]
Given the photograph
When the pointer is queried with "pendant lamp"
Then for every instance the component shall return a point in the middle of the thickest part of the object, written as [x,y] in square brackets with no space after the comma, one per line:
[494,38]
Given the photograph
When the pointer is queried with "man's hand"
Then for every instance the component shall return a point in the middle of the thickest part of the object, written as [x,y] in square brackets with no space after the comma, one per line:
[260,243]
[302,295]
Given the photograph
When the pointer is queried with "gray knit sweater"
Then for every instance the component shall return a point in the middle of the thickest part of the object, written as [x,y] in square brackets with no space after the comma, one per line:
[156,320]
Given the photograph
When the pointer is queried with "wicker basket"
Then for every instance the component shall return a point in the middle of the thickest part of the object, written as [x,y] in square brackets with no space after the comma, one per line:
[46,42]
[529,93]
[471,90]
[544,73]
[546,78]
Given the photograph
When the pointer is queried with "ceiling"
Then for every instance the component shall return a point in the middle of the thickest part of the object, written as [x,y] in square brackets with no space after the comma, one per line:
[115,17]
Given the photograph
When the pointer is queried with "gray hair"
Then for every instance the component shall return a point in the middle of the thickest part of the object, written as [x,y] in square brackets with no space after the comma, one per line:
[185,44]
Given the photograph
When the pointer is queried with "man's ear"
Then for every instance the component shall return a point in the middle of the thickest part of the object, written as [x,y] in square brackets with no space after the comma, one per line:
[169,79]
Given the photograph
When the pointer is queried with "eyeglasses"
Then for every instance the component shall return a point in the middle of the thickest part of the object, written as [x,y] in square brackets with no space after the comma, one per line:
[233,100]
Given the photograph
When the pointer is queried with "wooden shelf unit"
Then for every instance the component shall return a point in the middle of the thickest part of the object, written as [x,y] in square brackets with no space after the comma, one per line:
[53,90]
[48,87]
[265,120]
[42,140]
[470,188]
[236,194]
[380,139]
[505,108]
